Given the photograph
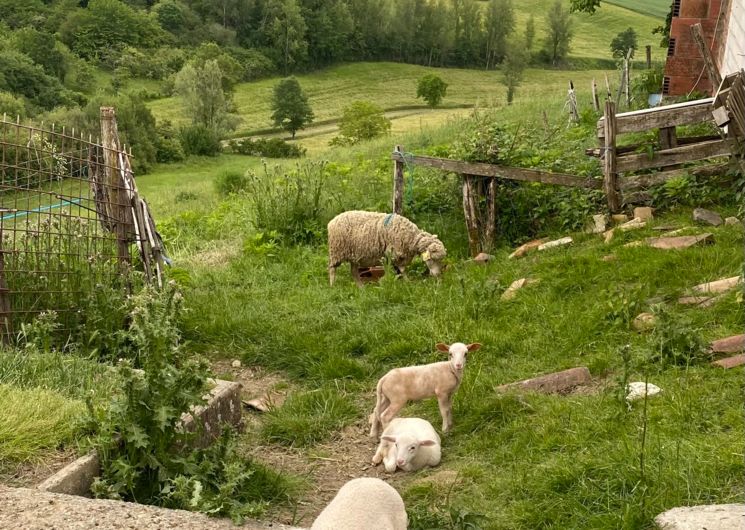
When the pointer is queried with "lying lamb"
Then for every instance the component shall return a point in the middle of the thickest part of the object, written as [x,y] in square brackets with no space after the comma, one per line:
[413,383]
[364,504]
[364,238]
[409,444]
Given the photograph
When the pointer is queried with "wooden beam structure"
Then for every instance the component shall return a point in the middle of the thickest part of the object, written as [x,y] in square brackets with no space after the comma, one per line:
[686,113]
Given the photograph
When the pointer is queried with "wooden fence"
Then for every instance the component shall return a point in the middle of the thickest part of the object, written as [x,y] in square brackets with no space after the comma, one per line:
[620,163]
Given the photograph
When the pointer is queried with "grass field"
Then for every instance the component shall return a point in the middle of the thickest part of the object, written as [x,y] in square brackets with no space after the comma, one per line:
[655,8]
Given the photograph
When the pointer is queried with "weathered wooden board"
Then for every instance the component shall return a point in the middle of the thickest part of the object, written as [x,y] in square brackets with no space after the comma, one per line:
[676,155]
[492,170]
[687,113]
[645,181]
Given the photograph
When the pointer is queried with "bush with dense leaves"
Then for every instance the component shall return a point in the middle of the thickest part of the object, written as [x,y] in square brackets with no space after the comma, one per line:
[231,182]
[432,89]
[361,120]
[266,147]
[199,140]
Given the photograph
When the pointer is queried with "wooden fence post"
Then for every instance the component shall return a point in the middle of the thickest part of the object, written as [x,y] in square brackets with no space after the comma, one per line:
[471,213]
[711,67]
[609,169]
[120,209]
[572,101]
[595,101]
[398,183]
[6,323]
[490,228]
[649,57]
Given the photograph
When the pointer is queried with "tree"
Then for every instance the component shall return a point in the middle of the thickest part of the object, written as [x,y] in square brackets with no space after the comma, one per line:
[42,49]
[584,6]
[432,89]
[290,108]
[500,22]
[558,33]
[363,120]
[285,30]
[468,31]
[204,97]
[515,60]
[529,32]
[623,42]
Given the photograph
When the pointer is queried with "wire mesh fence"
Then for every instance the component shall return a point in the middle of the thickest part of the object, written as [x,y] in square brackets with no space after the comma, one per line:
[68,216]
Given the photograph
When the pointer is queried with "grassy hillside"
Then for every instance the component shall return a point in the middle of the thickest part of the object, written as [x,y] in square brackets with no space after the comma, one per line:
[655,8]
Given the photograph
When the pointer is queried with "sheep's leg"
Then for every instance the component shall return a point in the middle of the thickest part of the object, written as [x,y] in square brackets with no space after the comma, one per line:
[390,412]
[446,411]
[381,453]
[332,274]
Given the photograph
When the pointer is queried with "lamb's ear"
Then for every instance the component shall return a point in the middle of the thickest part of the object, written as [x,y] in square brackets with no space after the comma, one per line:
[473,347]
[427,443]
[388,438]
[442,347]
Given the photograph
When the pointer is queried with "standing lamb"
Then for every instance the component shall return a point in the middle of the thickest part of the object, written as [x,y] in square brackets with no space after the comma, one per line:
[364,238]
[413,383]
[364,504]
[409,444]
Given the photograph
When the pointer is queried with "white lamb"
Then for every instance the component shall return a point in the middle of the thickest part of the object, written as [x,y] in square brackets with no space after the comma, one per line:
[364,504]
[413,383]
[364,238]
[408,444]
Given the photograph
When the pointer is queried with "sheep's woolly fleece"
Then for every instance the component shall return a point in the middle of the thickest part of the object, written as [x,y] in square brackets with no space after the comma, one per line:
[365,238]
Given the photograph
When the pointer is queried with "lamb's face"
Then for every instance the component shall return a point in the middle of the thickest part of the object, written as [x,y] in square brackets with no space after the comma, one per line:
[406,448]
[433,257]
[457,354]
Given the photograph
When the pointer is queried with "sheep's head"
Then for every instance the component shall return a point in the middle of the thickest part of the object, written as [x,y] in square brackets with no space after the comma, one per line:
[407,447]
[457,353]
[433,252]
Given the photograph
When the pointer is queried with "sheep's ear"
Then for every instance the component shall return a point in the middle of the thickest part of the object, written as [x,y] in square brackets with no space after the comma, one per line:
[473,347]
[442,347]
[427,443]
[388,438]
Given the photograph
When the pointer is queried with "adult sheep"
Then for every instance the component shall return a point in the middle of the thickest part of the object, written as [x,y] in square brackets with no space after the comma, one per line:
[364,238]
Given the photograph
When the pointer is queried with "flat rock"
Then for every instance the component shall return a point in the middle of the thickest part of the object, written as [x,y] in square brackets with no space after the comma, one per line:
[552,383]
[609,257]
[527,247]
[730,362]
[702,215]
[733,344]
[619,218]
[680,242]
[236,364]
[636,390]
[706,517]
[608,235]
[483,258]
[556,243]
[635,244]
[598,224]
[679,231]
[644,322]
[645,213]
[719,286]
[732,221]
[634,224]
[511,291]
[29,509]
[693,300]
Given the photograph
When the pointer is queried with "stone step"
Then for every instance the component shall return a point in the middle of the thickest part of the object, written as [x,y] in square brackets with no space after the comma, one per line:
[31,509]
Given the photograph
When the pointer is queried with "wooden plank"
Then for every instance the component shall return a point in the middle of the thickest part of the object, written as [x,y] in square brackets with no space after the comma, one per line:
[645,181]
[687,113]
[398,182]
[492,170]
[677,155]
[471,214]
[711,68]
[610,171]
[490,228]
[668,138]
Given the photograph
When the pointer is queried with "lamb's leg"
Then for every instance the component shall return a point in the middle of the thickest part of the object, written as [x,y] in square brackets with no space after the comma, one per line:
[375,424]
[390,412]
[381,452]
[446,411]
[389,462]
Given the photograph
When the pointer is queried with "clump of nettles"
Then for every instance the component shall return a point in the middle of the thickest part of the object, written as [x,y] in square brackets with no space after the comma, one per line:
[144,450]
[675,340]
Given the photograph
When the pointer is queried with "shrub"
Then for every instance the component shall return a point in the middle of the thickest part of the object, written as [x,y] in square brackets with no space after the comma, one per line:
[266,147]
[12,106]
[199,140]
[361,120]
[674,339]
[230,182]
[294,203]
[168,147]
[432,89]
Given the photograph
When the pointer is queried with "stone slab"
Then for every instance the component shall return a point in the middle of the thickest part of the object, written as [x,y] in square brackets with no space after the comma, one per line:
[733,221]
[718,286]
[680,242]
[707,216]
[75,478]
[30,509]
[645,213]
[556,243]
[527,247]
[706,517]
[730,362]
[552,383]
[733,344]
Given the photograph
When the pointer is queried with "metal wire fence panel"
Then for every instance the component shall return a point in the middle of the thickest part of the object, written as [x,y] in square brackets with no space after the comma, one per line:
[64,230]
